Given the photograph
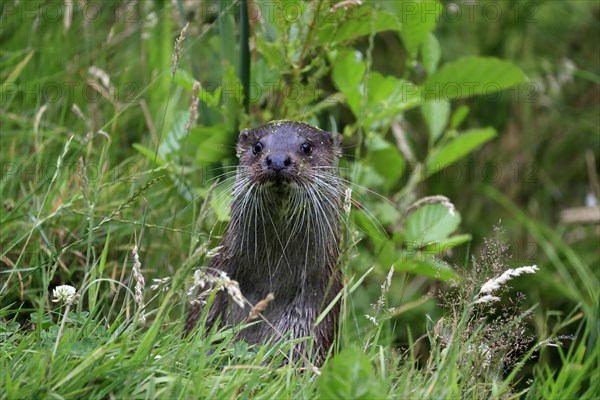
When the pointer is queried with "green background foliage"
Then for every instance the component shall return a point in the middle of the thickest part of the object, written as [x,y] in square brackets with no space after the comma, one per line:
[493,105]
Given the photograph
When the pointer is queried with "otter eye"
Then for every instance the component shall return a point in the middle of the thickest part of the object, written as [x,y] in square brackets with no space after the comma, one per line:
[306,148]
[257,148]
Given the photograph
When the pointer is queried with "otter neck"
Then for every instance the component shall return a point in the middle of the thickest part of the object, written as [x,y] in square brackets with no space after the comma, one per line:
[283,234]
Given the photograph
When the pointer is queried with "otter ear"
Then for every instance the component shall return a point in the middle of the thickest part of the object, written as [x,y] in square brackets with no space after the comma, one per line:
[242,140]
[336,142]
[244,134]
[337,139]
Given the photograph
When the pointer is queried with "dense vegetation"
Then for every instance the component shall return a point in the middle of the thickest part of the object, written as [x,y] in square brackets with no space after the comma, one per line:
[471,142]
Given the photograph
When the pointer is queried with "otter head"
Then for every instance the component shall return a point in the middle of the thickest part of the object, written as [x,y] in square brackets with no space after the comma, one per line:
[287,152]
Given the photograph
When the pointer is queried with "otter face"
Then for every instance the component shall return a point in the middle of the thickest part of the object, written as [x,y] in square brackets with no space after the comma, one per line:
[286,152]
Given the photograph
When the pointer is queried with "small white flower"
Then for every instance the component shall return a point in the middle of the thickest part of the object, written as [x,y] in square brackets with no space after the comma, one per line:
[495,283]
[372,319]
[214,252]
[486,299]
[221,282]
[64,294]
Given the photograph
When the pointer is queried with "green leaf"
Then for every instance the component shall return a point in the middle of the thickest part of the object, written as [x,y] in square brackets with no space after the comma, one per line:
[471,76]
[350,375]
[354,22]
[426,265]
[347,75]
[272,52]
[430,223]
[219,203]
[262,77]
[436,115]
[212,143]
[387,96]
[446,244]
[385,159]
[171,143]
[365,223]
[97,270]
[418,21]
[459,116]
[184,79]
[458,148]
[16,72]
[431,53]
[149,154]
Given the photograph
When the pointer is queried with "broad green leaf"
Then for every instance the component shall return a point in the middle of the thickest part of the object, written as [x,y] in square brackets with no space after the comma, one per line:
[233,97]
[213,143]
[431,53]
[418,19]
[272,52]
[263,75]
[471,76]
[387,254]
[385,158]
[458,148]
[387,96]
[149,154]
[352,23]
[367,224]
[436,115]
[446,244]
[347,75]
[186,81]
[430,223]
[459,116]
[219,201]
[426,265]
[350,375]
[171,143]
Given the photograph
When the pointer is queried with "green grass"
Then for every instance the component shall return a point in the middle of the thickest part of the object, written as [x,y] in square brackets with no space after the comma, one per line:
[81,186]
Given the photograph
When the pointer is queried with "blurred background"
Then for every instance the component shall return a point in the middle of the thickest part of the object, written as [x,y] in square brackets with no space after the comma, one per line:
[519,151]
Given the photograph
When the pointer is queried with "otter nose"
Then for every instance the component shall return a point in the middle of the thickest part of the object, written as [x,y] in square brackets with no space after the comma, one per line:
[278,162]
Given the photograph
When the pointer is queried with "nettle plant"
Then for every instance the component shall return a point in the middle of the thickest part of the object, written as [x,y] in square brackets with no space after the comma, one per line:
[312,61]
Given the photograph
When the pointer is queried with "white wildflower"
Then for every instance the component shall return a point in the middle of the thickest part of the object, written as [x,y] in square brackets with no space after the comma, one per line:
[385,287]
[347,201]
[64,294]
[484,351]
[494,284]
[220,282]
[214,252]
[372,319]
[140,283]
[160,283]
[486,299]
[233,289]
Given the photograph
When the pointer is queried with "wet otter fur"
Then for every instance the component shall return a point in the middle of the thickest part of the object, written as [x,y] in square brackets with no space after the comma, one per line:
[283,237]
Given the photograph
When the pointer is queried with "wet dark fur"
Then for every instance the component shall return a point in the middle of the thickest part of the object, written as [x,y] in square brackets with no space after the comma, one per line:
[283,236]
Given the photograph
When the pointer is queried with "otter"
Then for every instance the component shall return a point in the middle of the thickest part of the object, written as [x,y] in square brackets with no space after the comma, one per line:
[283,237]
